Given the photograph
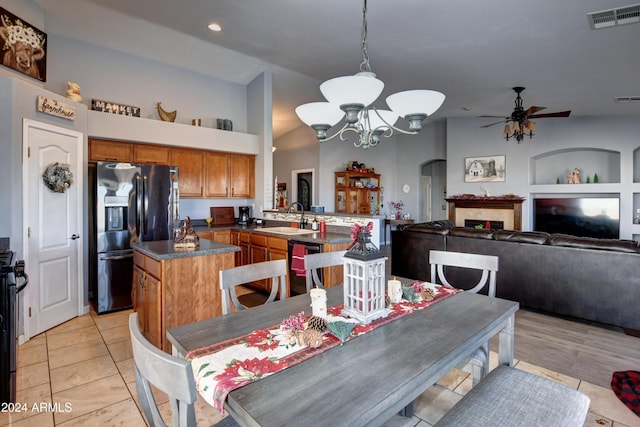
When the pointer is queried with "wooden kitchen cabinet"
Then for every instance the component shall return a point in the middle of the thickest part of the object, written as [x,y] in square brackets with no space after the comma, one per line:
[229,175]
[148,153]
[357,192]
[191,170]
[220,236]
[173,292]
[147,286]
[242,175]
[104,150]
[243,240]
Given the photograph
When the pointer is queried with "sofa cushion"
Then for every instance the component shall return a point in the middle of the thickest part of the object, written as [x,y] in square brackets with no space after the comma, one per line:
[538,237]
[615,245]
[424,228]
[478,233]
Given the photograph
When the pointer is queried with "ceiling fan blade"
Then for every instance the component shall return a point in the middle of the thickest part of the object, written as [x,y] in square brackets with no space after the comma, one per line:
[506,118]
[532,110]
[493,124]
[558,114]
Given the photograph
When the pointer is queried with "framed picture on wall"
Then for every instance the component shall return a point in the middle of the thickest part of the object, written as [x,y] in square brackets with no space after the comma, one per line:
[485,169]
[24,47]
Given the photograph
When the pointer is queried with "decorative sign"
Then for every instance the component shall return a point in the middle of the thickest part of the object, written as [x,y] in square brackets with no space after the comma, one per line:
[113,108]
[55,108]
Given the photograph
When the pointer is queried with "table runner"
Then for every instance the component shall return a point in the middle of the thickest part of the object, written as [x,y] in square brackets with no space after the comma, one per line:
[223,367]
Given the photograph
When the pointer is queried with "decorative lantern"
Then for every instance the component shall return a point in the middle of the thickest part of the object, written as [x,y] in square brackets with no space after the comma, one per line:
[364,279]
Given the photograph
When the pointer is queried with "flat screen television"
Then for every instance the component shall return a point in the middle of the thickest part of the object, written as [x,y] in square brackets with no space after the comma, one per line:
[597,217]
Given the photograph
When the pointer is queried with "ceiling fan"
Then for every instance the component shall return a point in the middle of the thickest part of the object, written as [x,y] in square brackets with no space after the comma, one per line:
[521,123]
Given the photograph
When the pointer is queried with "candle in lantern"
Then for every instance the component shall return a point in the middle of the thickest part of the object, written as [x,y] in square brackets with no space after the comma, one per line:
[319,302]
[394,290]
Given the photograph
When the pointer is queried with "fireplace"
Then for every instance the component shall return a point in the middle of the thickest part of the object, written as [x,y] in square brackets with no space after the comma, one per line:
[484,223]
[506,210]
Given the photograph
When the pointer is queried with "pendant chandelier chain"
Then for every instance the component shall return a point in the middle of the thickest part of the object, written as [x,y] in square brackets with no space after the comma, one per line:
[365,66]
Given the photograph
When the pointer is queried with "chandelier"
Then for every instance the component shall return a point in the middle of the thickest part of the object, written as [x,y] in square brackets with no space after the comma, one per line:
[351,98]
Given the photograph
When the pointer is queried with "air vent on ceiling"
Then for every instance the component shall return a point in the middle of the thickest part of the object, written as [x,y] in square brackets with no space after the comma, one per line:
[614,17]
[627,98]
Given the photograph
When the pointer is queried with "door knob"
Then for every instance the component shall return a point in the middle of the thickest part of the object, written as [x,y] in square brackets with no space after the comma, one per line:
[75,236]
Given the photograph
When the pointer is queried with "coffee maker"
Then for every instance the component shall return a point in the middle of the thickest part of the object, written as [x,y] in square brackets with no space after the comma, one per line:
[244,215]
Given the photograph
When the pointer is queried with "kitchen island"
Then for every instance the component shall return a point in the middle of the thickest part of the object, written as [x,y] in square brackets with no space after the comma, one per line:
[177,286]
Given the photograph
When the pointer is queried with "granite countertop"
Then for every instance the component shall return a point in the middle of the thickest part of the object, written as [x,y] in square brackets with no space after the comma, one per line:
[163,249]
[315,237]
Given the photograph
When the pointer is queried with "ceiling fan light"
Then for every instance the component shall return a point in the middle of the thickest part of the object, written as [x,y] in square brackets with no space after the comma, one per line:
[532,126]
[516,126]
[507,129]
[415,102]
[363,88]
[319,113]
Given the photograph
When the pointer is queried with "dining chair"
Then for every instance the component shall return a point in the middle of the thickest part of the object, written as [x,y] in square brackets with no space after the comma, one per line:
[488,264]
[230,278]
[314,262]
[169,374]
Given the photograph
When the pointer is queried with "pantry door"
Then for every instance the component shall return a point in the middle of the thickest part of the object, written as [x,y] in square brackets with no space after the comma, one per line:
[53,223]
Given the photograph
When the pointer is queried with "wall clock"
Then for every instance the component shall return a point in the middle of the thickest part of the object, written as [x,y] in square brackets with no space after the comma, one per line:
[406,188]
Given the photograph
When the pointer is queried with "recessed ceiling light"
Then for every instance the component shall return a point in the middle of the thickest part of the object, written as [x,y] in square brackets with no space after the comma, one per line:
[215,27]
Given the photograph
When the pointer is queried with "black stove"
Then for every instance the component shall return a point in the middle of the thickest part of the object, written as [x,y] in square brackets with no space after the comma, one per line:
[10,269]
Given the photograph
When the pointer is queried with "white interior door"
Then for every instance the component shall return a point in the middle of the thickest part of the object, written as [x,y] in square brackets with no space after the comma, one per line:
[53,223]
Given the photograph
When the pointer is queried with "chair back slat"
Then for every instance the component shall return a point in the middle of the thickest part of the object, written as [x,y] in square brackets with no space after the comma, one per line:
[169,374]
[314,262]
[487,263]
[275,271]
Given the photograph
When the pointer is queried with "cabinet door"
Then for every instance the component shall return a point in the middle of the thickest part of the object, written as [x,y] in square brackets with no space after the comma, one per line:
[191,164]
[259,254]
[208,234]
[217,174]
[152,303]
[352,202]
[138,300]
[156,154]
[242,176]
[222,236]
[111,151]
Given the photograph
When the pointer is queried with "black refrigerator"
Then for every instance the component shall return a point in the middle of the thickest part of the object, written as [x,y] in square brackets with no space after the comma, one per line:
[128,203]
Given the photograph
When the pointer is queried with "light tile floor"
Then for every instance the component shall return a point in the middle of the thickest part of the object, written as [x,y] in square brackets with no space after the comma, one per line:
[81,374]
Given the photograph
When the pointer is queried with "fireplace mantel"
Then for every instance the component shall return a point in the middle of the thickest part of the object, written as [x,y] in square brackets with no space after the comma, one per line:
[492,207]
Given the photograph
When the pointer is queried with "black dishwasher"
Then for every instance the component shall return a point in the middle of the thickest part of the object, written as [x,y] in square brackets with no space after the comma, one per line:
[297,283]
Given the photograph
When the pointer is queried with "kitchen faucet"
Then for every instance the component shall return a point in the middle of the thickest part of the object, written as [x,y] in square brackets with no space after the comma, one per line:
[302,223]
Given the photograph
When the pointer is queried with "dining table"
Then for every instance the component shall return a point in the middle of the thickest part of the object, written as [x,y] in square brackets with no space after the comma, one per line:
[364,381]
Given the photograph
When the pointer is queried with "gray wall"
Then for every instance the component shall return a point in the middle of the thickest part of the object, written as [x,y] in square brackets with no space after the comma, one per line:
[465,138]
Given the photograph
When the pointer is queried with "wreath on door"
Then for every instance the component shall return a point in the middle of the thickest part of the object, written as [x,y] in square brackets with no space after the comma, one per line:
[57,177]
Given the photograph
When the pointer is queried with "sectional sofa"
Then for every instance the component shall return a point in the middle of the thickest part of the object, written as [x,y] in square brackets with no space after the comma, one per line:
[592,279]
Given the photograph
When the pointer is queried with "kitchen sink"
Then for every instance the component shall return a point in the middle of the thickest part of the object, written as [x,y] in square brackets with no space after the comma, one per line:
[291,231]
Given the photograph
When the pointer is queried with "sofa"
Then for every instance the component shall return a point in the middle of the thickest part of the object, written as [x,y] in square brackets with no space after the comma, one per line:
[592,279]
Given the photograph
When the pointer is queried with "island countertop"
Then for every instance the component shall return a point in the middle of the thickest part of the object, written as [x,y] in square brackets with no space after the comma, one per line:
[163,249]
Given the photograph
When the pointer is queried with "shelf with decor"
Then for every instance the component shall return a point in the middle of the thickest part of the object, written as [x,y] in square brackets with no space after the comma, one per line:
[357,192]
[556,166]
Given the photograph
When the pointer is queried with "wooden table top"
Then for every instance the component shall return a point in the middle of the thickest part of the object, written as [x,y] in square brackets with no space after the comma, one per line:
[368,379]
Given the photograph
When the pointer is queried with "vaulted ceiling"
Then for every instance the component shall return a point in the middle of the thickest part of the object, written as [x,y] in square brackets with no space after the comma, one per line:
[473,51]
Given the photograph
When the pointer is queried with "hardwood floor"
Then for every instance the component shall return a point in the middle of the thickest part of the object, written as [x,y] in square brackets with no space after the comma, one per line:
[591,353]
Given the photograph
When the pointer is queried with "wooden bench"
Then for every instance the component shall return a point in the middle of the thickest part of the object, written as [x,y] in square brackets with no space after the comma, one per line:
[515,398]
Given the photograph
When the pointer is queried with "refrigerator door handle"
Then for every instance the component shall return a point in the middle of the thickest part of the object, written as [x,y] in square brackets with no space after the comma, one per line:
[145,202]
[138,205]
[116,257]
